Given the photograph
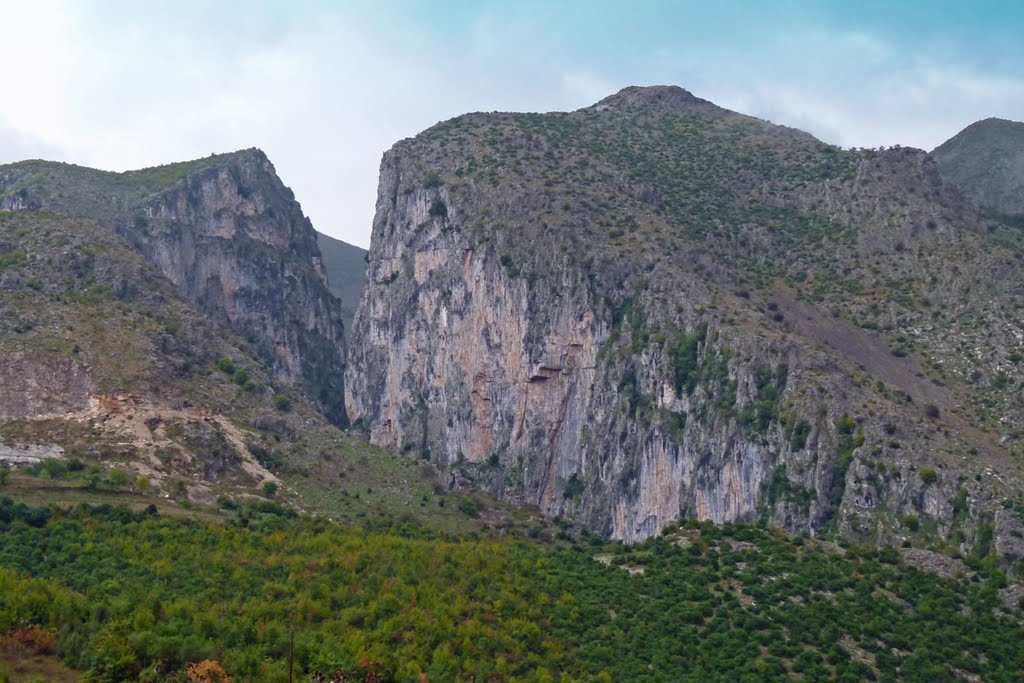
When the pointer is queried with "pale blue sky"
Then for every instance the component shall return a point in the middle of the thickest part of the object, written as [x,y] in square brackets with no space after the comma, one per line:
[325,87]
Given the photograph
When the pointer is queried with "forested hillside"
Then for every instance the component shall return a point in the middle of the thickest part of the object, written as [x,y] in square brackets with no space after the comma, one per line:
[122,595]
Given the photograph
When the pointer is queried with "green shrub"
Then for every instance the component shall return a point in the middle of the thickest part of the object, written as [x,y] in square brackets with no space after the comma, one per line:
[282,403]
[438,209]
[846,425]
[574,487]
[928,476]
[801,431]
[468,508]
[117,479]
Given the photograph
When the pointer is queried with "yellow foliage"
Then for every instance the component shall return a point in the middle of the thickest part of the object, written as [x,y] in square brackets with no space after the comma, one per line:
[207,671]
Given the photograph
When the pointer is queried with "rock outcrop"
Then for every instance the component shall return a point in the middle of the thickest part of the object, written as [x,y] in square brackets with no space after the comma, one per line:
[231,238]
[654,308]
[234,241]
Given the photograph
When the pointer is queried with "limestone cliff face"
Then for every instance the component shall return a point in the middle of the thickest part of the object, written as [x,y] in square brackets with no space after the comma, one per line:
[234,241]
[456,359]
[231,238]
[557,327]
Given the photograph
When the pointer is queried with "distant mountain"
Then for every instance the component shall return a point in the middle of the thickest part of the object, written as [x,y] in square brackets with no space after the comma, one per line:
[986,161]
[345,265]
[654,308]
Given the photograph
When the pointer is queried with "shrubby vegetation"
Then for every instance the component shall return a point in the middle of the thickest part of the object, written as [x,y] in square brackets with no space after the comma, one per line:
[131,595]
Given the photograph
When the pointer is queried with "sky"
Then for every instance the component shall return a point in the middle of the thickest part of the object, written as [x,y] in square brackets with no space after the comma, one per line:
[324,88]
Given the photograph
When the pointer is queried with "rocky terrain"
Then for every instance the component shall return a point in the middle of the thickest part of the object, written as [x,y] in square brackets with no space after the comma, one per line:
[646,310]
[167,333]
[655,308]
[232,240]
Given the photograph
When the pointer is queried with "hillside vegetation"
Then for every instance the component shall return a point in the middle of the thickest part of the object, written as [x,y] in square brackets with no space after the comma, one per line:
[124,595]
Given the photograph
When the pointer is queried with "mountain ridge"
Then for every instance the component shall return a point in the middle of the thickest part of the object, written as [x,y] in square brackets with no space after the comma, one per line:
[345,267]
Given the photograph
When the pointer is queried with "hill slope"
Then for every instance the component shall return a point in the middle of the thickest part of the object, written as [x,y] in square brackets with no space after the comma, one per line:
[986,161]
[128,596]
[654,307]
[345,266]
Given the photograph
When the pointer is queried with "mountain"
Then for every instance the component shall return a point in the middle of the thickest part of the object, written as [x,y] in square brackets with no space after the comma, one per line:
[986,161]
[230,237]
[648,309]
[173,326]
[654,308]
[345,266]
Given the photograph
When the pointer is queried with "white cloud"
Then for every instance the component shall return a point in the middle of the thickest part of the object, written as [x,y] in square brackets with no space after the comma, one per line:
[324,93]
[37,54]
[852,89]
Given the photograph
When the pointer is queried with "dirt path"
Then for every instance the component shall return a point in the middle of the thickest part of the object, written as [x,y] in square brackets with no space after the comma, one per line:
[142,424]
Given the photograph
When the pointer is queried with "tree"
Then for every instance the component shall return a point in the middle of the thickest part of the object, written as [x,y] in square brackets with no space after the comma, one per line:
[207,671]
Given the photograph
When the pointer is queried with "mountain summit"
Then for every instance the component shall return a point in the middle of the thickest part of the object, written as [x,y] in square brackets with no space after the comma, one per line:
[986,161]
[652,98]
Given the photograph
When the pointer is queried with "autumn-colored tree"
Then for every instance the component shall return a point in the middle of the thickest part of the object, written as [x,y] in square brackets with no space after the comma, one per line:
[207,671]
[39,640]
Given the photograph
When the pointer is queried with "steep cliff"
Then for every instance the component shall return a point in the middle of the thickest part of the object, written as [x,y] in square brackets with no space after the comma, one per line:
[655,308]
[233,240]
[124,389]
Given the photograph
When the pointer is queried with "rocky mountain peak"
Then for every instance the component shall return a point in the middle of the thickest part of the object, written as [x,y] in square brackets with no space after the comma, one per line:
[651,98]
[230,236]
[986,162]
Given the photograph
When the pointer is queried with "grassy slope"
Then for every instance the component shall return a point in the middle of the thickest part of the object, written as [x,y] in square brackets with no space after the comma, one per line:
[79,191]
[986,161]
